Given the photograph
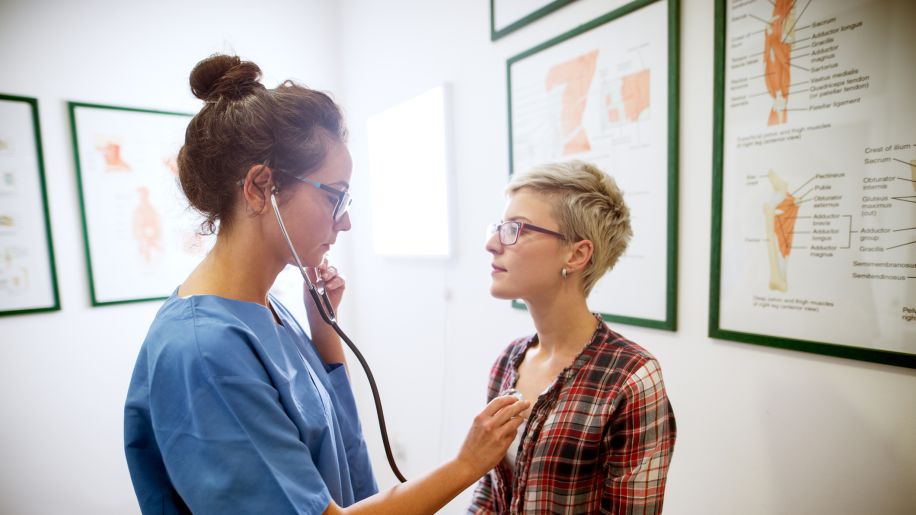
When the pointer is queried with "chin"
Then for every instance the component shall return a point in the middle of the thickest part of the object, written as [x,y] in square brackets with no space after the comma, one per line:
[306,260]
[498,293]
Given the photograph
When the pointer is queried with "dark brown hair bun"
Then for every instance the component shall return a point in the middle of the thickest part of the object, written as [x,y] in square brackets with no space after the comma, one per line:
[224,76]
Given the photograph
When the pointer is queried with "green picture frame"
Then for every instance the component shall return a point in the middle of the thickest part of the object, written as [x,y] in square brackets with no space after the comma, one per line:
[140,238]
[724,283]
[519,20]
[20,292]
[662,17]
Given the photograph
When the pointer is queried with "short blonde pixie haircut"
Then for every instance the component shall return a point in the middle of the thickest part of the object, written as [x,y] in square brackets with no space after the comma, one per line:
[588,205]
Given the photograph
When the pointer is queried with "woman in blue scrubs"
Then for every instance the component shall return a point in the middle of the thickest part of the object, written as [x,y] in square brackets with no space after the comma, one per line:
[232,408]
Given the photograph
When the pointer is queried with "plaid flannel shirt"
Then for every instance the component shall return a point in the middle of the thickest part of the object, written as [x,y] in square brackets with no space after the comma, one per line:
[598,440]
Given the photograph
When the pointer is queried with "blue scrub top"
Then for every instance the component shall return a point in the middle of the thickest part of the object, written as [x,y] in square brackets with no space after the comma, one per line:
[230,412]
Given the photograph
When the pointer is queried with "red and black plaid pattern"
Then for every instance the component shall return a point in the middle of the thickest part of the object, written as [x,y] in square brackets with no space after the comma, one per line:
[598,440]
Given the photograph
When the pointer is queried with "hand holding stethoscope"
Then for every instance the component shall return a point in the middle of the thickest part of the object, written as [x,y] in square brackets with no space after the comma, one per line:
[328,277]
[323,335]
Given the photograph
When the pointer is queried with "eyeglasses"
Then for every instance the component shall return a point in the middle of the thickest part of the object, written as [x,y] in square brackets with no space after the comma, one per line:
[509,231]
[343,198]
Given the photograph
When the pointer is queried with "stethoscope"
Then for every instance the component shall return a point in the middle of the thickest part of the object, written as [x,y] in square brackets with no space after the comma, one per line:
[323,302]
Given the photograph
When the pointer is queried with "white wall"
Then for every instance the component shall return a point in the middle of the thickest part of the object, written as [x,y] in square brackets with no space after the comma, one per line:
[64,375]
[761,430]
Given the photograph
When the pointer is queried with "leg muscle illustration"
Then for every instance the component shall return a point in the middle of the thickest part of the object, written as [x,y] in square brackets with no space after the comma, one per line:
[777,48]
[779,213]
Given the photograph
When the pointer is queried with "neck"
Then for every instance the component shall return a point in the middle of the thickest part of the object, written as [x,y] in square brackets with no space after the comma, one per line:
[238,267]
[563,322]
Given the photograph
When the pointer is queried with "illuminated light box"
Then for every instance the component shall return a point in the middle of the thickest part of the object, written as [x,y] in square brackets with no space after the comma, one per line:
[408,170]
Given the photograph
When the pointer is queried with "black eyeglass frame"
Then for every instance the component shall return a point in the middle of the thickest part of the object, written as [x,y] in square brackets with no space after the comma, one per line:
[342,197]
[344,200]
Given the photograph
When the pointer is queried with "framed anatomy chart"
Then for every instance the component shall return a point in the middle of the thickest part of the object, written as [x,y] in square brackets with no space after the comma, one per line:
[28,281]
[814,191]
[141,237]
[507,16]
[606,92]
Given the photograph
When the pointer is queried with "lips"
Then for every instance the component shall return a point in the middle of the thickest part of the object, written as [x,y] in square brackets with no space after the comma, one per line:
[497,268]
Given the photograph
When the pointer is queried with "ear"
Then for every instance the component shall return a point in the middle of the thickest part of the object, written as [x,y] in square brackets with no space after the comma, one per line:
[580,255]
[256,188]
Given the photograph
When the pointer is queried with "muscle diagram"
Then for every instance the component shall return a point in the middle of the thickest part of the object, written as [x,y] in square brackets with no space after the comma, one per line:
[634,96]
[779,213]
[111,153]
[576,75]
[777,49]
[147,228]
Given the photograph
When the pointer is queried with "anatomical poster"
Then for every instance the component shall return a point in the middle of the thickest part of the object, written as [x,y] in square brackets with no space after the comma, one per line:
[141,237]
[606,93]
[814,243]
[28,282]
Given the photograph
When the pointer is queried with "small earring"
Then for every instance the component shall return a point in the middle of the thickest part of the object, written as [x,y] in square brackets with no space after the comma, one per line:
[563,273]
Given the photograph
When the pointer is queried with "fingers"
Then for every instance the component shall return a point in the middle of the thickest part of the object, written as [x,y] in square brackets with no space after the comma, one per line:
[332,278]
[507,414]
[497,404]
[327,275]
[335,284]
[511,413]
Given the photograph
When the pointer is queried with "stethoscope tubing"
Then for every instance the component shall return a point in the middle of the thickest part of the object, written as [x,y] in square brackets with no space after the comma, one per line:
[323,302]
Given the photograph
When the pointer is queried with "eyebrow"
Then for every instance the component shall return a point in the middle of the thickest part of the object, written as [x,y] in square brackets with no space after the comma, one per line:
[517,218]
[345,184]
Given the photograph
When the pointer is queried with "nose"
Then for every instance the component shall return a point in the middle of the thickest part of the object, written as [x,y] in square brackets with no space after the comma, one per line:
[493,245]
[344,223]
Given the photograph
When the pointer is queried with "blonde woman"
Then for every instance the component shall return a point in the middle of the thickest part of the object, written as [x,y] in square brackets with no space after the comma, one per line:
[600,433]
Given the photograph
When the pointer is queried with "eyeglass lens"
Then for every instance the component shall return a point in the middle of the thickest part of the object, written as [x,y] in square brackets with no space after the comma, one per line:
[508,232]
[343,205]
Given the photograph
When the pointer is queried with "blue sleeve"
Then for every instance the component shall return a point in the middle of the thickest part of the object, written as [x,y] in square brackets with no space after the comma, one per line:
[363,479]
[227,443]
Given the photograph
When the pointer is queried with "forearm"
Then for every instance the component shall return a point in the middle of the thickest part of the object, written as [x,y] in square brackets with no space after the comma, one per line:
[426,494]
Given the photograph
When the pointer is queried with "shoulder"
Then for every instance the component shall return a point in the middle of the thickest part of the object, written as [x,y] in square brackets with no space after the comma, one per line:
[621,363]
[615,350]
[200,332]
